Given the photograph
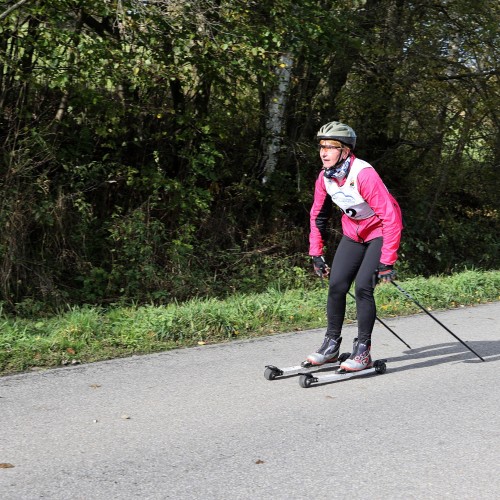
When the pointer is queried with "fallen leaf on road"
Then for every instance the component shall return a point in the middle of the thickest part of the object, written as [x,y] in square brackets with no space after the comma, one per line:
[6,466]
[95,386]
[259,461]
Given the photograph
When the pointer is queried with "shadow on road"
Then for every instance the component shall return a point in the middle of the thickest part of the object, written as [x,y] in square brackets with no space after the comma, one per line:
[439,354]
[447,353]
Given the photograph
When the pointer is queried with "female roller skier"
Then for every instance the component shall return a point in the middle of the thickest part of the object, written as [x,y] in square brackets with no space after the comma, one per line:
[371,226]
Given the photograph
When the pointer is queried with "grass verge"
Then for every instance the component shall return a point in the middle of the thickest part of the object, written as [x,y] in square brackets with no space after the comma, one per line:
[87,334]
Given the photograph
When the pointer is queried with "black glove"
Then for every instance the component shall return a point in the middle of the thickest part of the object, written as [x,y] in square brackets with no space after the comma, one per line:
[320,267]
[385,273]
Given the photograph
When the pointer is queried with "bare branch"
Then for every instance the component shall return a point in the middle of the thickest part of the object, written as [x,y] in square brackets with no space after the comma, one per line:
[467,75]
[12,8]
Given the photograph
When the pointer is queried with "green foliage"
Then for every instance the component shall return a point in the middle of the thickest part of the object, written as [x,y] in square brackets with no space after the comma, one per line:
[133,139]
[85,334]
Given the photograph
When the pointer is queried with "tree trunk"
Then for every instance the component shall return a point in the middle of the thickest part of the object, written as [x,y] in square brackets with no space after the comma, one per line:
[275,117]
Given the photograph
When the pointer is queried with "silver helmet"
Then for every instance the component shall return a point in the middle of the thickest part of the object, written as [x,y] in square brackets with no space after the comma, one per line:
[336,131]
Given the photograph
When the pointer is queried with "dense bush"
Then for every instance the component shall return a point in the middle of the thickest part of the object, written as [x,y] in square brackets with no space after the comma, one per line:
[159,151]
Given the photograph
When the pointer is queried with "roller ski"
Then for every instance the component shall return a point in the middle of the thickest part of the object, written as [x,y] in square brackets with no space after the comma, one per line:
[273,372]
[326,357]
[358,364]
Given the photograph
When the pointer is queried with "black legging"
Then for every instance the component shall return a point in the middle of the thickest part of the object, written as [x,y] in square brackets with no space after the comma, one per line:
[353,261]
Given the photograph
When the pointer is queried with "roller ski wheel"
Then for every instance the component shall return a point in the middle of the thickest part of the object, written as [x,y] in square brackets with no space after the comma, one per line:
[271,372]
[306,380]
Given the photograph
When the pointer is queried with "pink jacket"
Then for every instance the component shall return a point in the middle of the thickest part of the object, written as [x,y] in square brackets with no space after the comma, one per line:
[386,222]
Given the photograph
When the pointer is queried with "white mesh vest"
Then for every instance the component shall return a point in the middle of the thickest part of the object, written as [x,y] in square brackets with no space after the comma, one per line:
[347,197]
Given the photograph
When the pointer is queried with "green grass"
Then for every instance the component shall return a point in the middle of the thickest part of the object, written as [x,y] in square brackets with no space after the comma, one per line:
[87,334]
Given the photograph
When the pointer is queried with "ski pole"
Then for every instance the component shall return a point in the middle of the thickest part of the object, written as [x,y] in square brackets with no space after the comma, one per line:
[404,292]
[387,326]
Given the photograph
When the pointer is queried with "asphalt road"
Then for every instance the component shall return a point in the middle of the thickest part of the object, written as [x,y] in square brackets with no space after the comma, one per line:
[203,423]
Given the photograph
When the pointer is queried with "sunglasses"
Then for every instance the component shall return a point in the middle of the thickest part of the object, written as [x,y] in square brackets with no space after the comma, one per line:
[329,148]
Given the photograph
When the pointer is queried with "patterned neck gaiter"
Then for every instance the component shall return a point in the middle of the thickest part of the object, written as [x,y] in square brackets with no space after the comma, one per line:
[339,172]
